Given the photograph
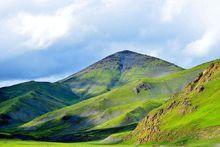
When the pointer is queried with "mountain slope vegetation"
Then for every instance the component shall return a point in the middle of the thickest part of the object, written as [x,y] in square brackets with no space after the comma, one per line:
[117,70]
[107,100]
[191,117]
[23,102]
[53,89]
[119,107]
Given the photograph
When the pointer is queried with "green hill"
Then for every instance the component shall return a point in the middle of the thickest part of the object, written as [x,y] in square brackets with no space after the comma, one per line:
[117,70]
[191,117]
[122,106]
[53,89]
[23,102]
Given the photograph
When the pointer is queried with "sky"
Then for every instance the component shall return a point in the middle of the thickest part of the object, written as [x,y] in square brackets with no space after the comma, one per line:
[47,40]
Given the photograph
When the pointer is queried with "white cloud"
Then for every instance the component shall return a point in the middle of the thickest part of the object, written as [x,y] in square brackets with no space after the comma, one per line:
[41,29]
[203,46]
[171,9]
[204,15]
[44,29]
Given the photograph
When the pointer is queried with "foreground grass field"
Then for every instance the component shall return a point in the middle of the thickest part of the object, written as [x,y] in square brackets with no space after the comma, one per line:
[21,143]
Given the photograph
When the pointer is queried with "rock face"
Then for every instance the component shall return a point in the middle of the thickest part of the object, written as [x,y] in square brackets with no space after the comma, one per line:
[149,129]
[204,77]
[142,86]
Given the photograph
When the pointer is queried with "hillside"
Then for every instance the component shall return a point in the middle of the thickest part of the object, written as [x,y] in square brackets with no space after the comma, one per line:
[23,102]
[53,89]
[119,107]
[117,70]
[191,117]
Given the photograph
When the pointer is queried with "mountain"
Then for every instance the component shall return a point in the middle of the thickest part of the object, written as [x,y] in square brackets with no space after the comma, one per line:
[190,117]
[23,102]
[110,96]
[117,70]
[121,107]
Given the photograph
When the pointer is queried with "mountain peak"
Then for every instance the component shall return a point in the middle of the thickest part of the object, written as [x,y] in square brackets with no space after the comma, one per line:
[117,69]
[126,52]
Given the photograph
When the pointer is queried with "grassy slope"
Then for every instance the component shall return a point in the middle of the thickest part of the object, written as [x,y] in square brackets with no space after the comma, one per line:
[96,112]
[193,119]
[26,107]
[23,102]
[117,70]
[119,107]
[53,89]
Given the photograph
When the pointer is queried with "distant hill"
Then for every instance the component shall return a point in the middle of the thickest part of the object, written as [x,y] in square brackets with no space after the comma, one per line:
[191,117]
[117,70]
[23,102]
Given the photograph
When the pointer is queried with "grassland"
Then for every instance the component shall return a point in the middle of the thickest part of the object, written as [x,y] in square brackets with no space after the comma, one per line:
[21,143]
[191,117]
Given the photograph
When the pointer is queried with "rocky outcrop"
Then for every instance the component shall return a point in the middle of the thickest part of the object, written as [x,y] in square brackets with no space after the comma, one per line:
[142,86]
[203,77]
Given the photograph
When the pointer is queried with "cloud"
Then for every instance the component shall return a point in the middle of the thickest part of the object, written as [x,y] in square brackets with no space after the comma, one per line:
[44,29]
[78,21]
[25,30]
[171,9]
[204,15]
[204,45]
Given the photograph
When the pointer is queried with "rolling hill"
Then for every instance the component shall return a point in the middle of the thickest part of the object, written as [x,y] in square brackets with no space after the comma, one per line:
[116,70]
[190,117]
[53,89]
[23,102]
